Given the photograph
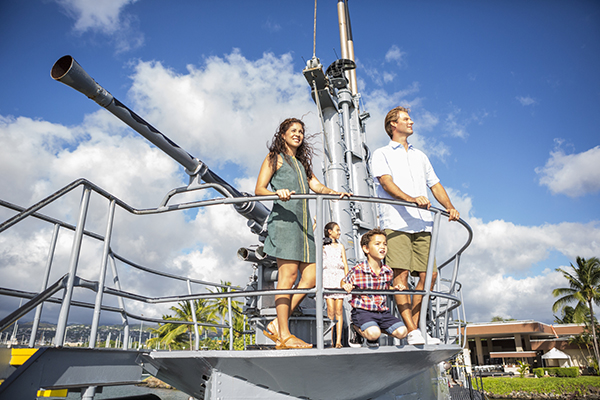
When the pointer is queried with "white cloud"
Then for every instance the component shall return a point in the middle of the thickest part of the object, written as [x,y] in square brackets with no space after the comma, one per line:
[497,269]
[105,17]
[573,175]
[526,100]
[224,112]
[454,126]
[426,121]
[394,54]
[378,102]
[506,296]
[507,270]
[376,73]
[229,103]
[271,26]
[456,122]
[388,77]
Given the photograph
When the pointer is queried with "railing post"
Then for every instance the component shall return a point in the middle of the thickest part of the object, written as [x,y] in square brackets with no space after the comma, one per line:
[117,283]
[429,275]
[452,291]
[229,311]
[319,272]
[38,310]
[76,249]
[102,275]
[194,318]
[88,393]
[438,305]
[244,329]
[464,313]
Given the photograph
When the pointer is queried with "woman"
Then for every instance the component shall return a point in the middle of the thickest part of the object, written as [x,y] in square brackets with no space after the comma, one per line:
[288,169]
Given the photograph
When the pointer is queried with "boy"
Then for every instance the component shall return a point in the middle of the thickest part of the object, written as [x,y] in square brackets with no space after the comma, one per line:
[370,313]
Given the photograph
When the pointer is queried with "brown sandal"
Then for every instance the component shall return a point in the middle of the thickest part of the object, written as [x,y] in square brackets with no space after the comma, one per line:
[269,333]
[282,344]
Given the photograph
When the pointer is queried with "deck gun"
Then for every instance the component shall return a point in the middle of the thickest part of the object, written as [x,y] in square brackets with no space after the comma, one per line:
[69,72]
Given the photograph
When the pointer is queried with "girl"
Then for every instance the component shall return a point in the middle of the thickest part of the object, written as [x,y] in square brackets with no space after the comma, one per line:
[335,268]
[288,168]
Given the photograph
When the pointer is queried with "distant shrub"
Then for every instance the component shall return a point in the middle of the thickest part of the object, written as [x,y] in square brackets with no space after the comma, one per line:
[538,372]
[570,372]
[578,387]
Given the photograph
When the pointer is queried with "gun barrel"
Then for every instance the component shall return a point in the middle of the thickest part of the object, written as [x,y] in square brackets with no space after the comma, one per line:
[69,72]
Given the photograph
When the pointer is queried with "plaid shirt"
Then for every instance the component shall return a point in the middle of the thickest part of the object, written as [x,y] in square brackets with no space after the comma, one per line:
[363,277]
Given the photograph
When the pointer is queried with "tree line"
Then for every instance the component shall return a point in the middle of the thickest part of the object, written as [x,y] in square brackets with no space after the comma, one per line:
[584,293]
[176,336]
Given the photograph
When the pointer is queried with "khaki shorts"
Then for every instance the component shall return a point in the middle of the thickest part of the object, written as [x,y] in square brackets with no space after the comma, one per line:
[408,251]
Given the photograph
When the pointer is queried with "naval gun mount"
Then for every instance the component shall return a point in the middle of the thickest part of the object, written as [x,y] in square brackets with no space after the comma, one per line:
[69,72]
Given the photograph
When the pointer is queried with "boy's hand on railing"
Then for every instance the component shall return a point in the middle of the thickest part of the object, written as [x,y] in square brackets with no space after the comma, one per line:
[400,287]
[347,286]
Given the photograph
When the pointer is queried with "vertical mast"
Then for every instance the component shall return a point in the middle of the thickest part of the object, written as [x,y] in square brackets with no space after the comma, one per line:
[346,42]
[346,155]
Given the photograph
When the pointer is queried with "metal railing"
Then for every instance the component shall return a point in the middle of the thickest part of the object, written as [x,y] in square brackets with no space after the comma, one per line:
[439,313]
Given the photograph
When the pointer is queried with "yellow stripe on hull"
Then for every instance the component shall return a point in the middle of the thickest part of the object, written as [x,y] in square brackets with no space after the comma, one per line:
[19,356]
[53,393]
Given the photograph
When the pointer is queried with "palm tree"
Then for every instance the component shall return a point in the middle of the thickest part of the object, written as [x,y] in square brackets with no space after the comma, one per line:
[498,318]
[582,339]
[239,325]
[584,288]
[568,316]
[170,336]
[173,335]
[221,305]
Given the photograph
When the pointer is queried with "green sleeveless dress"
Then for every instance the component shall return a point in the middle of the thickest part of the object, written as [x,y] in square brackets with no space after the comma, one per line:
[290,234]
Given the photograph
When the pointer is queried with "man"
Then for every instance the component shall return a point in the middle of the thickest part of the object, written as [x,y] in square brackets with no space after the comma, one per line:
[405,173]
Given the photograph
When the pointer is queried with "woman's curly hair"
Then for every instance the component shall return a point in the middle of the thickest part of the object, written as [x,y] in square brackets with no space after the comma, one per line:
[304,153]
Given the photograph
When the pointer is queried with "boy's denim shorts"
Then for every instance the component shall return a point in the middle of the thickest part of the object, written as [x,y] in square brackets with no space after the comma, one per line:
[364,319]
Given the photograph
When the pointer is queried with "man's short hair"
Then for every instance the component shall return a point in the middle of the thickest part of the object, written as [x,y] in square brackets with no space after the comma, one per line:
[392,116]
[366,238]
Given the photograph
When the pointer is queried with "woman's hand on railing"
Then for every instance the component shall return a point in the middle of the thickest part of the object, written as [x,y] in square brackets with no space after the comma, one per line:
[285,194]
[342,194]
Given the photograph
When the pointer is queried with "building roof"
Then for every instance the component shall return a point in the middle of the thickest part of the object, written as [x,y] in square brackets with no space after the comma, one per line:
[512,354]
[532,328]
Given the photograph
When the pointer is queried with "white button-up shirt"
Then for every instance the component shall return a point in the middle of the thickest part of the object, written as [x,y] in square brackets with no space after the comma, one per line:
[413,174]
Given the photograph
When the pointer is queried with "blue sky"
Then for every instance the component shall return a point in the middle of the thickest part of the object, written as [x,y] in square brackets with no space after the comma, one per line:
[504,95]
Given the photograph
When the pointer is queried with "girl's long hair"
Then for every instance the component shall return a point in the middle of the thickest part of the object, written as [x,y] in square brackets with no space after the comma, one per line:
[304,153]
[329,226]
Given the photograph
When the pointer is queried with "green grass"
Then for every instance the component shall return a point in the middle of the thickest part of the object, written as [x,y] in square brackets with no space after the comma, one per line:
[503,386]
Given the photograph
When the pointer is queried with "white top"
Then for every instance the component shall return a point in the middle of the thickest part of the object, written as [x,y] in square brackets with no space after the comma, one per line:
[413,174]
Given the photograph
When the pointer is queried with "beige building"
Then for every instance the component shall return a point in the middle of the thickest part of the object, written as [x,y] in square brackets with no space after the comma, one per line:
[505,343]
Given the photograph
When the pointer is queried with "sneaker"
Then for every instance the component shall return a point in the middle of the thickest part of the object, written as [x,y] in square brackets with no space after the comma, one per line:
[356,340]
[432,340]
[415,337]
[372,343]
